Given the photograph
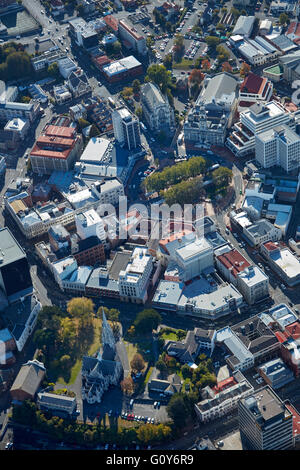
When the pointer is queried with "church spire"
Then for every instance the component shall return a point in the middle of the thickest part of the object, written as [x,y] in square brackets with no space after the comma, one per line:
[108,340]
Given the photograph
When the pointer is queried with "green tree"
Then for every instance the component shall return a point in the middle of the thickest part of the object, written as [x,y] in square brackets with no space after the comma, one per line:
[139,112]
[168,61]
[94,132]
[146,321]
[161,366]
[212,41]
[179,409]
[82,123]
[283,18]
[159,75]
[136,86]
[186,371]
[80,307]
[53,70]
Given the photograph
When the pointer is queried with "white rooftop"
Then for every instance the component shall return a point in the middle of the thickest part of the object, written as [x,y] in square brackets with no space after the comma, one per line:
[252,276]
[95,150]
[287,262]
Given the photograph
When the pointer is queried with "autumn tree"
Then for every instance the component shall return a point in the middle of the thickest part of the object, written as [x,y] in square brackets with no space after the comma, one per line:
[196,76]
[245,69]
[127,386]
[137,363]
[205,65]
[226,67]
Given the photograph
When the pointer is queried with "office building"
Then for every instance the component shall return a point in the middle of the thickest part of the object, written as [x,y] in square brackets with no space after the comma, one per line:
[83,34]
[258,118]
[265,422]
[276,374]
[90,224]
[253,284]
[131,38]
[134,279]
[15,279]
[224,398]
[279,146]
[126,128]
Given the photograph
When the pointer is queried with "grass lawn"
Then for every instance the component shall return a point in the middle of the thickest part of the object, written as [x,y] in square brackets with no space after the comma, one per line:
[183,64]
[131,350]
[92,349]
[169,336]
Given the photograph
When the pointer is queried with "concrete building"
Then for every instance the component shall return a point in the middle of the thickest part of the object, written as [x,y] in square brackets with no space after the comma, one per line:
[261,232]
[126,128]
[83,33]
[89,224]
[157,111]
[202,298]
[134,279]
[230,263]
[224,401]
[279,146]
[213,112]
[258,118]
[265,422]
[276,374]
[131,38]
[194,258]
[253,284]
[58,405]
[283,262]
[258,51]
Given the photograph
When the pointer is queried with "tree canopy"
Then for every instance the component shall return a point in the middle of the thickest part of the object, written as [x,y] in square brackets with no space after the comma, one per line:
[146,321]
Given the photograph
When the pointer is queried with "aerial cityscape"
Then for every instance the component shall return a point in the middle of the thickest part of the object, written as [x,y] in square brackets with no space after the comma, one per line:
[149,226]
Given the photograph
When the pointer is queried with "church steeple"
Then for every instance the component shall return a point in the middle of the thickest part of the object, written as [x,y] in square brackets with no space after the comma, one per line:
[108,340]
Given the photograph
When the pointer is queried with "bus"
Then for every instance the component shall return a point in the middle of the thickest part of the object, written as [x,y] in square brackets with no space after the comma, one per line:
[180,139]
[111,102]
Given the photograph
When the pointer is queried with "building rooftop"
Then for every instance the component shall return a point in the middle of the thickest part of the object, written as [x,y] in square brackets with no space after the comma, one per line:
[252,276]
[234,261]
[10,250]
[266,406]
[287,262]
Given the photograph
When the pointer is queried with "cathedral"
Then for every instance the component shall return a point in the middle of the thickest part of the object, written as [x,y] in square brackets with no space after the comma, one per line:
[99,373]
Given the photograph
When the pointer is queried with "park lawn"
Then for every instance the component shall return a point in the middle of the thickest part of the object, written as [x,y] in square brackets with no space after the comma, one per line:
[169,336]
[183,64]
[92,349]
[131,350]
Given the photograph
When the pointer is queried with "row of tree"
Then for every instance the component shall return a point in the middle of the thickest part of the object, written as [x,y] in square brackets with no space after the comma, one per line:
[89,435]
[172,175]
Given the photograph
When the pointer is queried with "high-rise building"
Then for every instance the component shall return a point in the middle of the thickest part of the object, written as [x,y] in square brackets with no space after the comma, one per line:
[15,279]
[265,422]
[126,128]
[258,118]
[278,146]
